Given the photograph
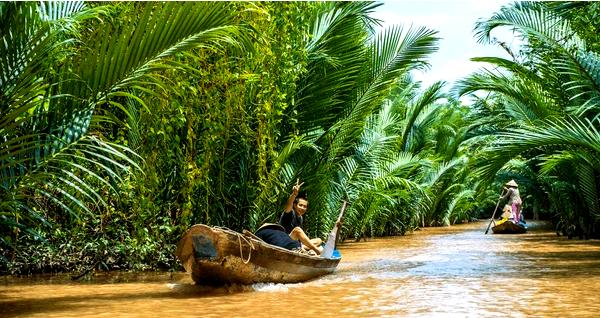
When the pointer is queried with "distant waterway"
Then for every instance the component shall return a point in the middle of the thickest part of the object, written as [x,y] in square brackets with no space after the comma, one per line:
[435,272]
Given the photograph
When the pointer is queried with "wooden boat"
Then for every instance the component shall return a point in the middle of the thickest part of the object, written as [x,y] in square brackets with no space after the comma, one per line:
[216,256]
[509,227]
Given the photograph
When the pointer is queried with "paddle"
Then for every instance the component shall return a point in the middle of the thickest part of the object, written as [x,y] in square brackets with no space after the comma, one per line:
[330,244]
[494,214]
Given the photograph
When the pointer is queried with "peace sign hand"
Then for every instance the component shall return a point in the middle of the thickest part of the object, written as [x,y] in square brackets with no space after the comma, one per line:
[296,188]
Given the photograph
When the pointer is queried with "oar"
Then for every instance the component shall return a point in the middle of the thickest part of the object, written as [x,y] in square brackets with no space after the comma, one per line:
[330,244]
[494,214]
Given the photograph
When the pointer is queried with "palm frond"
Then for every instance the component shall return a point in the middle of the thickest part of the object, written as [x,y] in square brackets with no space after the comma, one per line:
[53,81]
[584,86]
[393,52]
[335,63]
[455,211]
[531,21]
[554,136]
[430,96]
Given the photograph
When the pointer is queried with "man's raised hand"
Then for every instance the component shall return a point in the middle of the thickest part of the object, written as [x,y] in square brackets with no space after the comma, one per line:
[296,188]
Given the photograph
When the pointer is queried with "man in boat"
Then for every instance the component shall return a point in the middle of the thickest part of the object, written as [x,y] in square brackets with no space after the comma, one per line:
[275,234]
[514,199]
[291,220]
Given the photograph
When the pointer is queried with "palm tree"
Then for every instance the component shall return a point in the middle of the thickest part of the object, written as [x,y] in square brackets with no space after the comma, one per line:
[346,147]
[65,66]
[551,96]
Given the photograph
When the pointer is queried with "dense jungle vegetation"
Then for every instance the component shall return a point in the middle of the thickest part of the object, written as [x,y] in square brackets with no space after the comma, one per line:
[122,124]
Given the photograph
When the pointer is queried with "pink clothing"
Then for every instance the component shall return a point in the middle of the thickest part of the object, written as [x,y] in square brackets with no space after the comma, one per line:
[514,199]
[516,208]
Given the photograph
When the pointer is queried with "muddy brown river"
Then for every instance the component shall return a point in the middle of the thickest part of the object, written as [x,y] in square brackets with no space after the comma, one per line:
[435,272]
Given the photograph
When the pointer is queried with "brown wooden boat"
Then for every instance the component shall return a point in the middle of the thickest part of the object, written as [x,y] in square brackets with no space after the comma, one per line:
[216,256]
[509,227]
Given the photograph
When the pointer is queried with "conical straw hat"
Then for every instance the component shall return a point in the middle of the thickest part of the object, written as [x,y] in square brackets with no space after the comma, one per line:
[512,183]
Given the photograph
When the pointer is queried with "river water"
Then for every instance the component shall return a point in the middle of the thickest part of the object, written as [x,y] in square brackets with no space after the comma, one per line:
[435,272]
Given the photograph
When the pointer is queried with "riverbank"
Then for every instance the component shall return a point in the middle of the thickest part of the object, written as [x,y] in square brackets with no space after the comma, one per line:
[46,262]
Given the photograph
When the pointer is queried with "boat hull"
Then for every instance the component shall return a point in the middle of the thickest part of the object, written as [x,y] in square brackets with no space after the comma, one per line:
[216,256]
[509,227]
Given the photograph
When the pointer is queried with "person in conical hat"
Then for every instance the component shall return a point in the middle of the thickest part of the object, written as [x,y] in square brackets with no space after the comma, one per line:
[514,199]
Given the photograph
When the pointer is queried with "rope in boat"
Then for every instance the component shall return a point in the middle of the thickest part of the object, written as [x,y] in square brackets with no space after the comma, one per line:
[249,250]
[240,237]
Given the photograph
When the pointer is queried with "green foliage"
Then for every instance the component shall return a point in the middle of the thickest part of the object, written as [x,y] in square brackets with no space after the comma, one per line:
[137,120]
[549,93]
[66,71]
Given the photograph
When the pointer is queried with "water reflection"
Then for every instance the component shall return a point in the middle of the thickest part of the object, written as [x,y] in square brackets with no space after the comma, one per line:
[450,272]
